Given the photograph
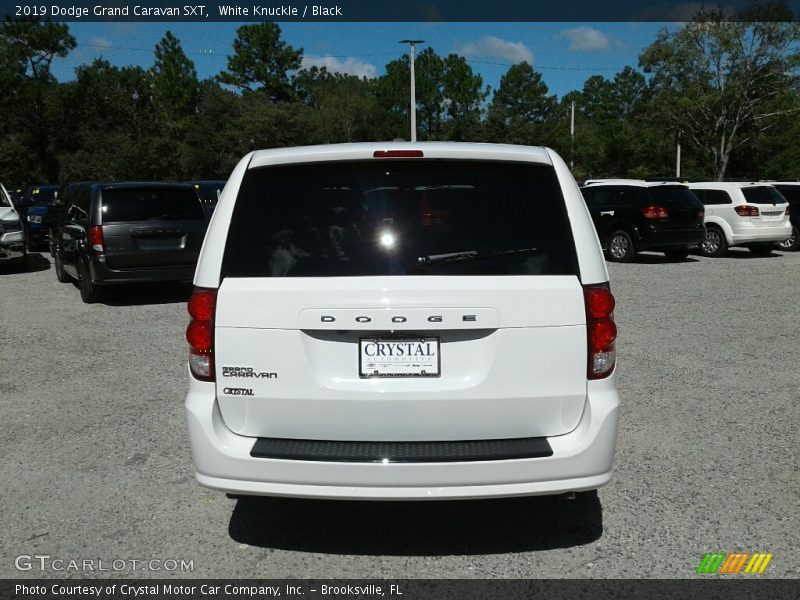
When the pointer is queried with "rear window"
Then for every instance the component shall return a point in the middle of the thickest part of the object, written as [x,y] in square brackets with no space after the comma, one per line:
[763,195]
[150,204]
[393,217]
[790,192]
[679,194]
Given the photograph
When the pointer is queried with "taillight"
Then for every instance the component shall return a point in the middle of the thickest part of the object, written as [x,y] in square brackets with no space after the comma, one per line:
[701,214]
[655,212]
[200,333]
[788,210]
[397,154]
[746,210]
[600,329]
[95,236]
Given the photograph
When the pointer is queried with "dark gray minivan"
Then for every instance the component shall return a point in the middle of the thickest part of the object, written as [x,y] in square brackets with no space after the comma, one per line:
[117,233]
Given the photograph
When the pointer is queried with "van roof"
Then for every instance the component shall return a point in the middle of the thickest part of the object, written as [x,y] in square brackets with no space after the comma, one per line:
[366,150]
[727,185]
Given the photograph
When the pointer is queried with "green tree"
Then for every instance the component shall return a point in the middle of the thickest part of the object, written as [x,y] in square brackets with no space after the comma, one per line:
[520,106]
[344,106]
[720,82]
[463,92]
[262,61]
[30,100]
[174,80]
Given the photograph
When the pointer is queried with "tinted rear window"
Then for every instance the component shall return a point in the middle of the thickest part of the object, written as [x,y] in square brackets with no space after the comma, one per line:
[763,195]
[679,194]
[790,192]
[150,204]
[389,217]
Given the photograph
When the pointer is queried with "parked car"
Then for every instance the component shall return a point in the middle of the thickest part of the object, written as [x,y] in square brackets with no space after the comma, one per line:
[12,235]
[37,202]
[118,233]
[209,190]
[402,321]
[632,215]
[754,215]
[791,191]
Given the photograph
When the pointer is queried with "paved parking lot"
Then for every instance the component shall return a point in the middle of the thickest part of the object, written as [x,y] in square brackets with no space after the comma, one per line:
[96,462]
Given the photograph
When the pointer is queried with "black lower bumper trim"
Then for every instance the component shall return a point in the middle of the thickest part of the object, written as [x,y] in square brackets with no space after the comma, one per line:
[401,452]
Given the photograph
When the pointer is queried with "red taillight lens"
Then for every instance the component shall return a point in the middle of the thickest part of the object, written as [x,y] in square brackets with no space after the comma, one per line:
[746,210]
[603,334]
[95,237]
[655,212]
[397,154]
[601,330]
[599,301]
[200,333]
[701,214]
[788,210]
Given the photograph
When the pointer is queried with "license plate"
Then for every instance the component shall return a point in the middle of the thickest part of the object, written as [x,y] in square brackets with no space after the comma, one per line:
[399,357]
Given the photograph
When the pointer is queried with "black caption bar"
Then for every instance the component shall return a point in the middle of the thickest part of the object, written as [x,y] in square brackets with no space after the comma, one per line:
[402,589]
[367,10]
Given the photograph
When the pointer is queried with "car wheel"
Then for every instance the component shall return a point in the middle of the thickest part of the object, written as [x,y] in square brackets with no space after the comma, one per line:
[677,254]
[61,274]
[620,247]
[793,243]
[714,245]
[761,249]
[89,291]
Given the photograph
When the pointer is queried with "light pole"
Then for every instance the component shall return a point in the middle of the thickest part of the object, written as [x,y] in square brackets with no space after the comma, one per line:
[413,44]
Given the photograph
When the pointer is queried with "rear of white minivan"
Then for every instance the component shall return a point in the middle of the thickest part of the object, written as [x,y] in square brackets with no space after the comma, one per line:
[402,321]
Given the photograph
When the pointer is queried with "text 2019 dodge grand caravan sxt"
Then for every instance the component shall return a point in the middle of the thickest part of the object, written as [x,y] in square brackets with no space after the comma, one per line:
[402,321]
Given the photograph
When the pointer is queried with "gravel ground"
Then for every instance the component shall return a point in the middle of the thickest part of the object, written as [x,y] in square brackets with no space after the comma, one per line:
[96,463]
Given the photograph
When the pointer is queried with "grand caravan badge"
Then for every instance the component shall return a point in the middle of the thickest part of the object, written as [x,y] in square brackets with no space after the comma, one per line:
[247,372]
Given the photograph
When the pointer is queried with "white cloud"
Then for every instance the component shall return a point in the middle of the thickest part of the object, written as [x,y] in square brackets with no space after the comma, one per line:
[350,65]
[102,42]
[490,46]
[585,39]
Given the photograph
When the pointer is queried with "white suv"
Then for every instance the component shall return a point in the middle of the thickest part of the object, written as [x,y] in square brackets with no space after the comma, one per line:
[402,321]
[754,215]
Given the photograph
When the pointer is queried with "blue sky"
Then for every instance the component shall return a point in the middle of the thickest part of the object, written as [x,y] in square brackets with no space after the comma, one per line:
[566,53]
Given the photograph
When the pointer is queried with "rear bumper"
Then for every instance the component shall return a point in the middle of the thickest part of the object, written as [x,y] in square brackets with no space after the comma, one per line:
[746,233]
[580,460]
[680,238]
[102,274]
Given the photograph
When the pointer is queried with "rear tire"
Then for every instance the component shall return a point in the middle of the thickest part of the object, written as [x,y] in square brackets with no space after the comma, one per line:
[90,293]
[793,243]
[761,249]
[61,274]
[678,254]
[714,245]
[620,247]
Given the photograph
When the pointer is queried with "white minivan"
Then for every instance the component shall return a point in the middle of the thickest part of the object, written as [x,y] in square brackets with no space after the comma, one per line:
[754,215]
[402,321]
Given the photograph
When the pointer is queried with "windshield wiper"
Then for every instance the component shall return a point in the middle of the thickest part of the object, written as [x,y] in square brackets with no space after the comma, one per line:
[432,259]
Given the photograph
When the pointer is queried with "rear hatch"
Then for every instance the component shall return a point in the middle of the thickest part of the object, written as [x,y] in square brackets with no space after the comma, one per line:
[771,205]
[684,210]
[152,226]
[400,300]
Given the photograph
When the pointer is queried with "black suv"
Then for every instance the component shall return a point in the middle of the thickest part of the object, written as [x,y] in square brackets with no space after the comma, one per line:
[632,215]
[116,233]
[791,191]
